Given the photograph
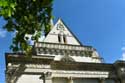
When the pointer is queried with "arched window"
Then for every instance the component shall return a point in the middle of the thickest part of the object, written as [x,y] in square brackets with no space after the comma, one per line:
[59,38]
[64,39]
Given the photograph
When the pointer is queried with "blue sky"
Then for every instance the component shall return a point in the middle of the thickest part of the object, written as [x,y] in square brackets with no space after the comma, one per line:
[99,23]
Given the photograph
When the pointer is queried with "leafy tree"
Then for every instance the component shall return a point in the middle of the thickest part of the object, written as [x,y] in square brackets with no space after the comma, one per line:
[26,17]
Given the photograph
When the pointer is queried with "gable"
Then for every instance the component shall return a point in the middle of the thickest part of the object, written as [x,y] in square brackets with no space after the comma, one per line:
[60,33]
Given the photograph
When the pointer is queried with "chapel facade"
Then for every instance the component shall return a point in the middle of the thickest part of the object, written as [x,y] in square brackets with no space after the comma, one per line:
[60,57]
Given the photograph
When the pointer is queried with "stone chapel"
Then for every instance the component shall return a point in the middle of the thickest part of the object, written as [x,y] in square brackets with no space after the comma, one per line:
[60,57]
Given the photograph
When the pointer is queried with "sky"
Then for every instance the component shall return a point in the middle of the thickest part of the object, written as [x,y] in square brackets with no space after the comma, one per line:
[97,23]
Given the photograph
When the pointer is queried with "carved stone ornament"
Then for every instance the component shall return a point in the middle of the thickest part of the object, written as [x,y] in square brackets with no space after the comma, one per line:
[67,58]
[60,27]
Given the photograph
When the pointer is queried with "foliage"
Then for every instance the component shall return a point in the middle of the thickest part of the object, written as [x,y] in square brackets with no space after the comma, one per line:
[26,17]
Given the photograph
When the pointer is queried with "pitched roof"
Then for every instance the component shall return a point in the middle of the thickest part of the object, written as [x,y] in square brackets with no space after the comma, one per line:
[52,36]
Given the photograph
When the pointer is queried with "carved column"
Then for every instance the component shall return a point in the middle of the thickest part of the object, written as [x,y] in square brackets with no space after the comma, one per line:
[70,80]
[49,80]
[47,77]
[102,80]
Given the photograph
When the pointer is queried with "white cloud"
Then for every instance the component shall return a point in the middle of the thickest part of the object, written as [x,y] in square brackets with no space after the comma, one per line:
[123,55]
[2,33]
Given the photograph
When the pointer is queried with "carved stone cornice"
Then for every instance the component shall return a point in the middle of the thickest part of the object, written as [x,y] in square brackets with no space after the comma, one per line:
[11,58]
[82,66]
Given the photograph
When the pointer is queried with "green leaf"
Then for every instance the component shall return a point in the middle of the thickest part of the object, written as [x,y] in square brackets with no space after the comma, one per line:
[1,3]
[9,12]
[4,3]
[26,17]
[2,12]
[34,0]
[12,5]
